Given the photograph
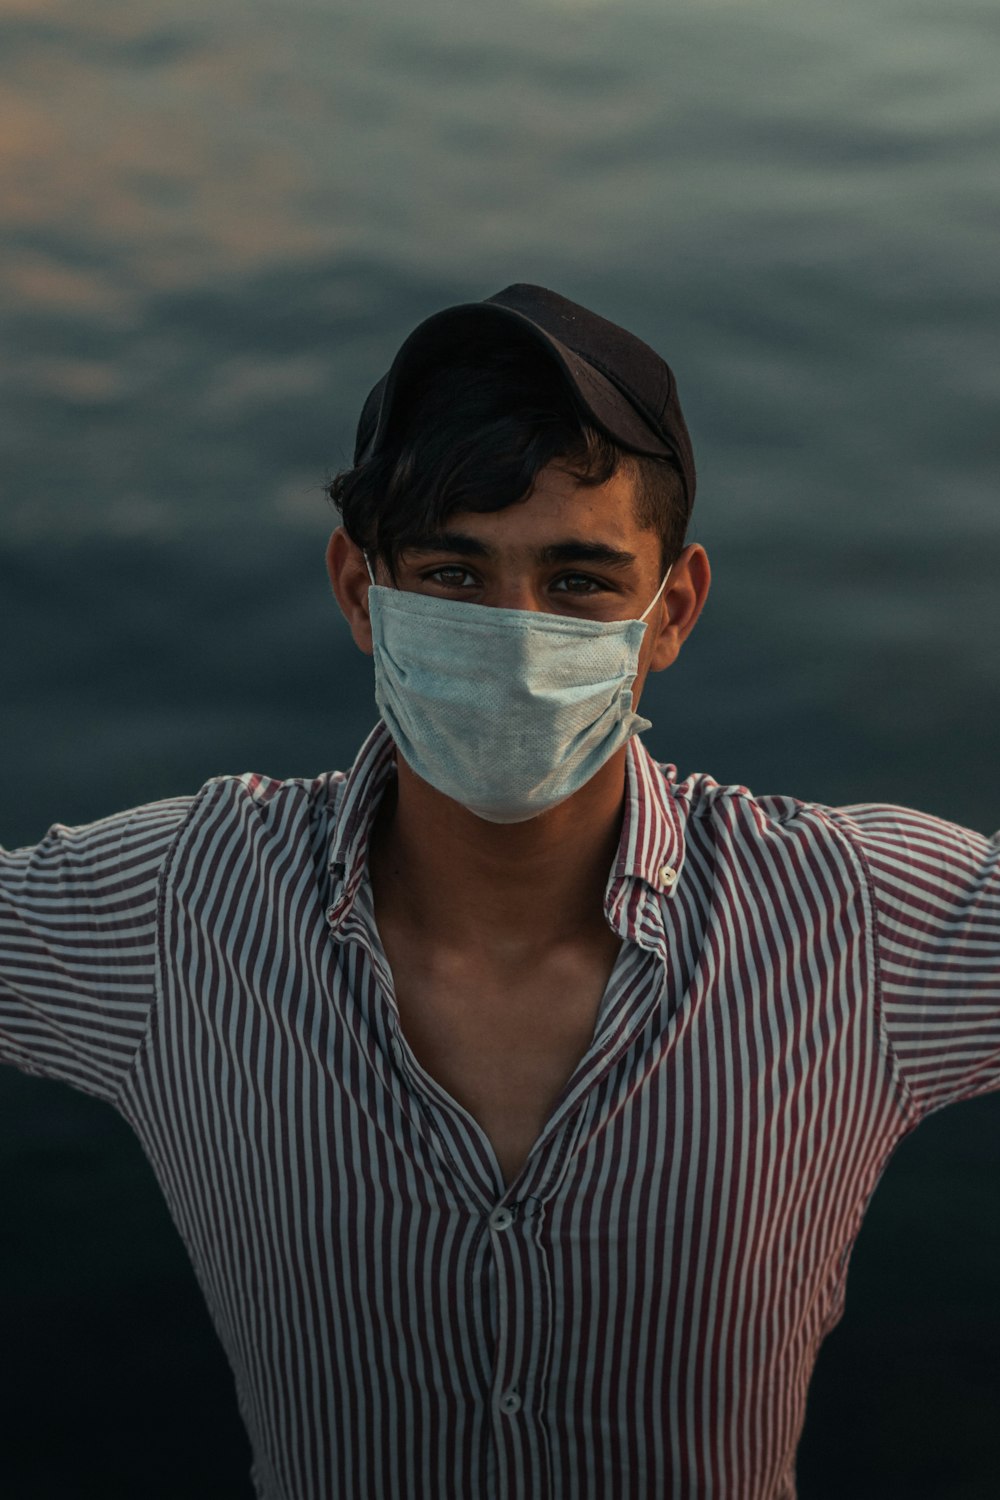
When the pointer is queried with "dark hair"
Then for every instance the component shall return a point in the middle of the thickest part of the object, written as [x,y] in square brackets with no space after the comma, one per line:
[477,431]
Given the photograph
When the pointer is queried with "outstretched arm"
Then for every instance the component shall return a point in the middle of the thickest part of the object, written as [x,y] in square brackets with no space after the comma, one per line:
[936,896]
[78,946]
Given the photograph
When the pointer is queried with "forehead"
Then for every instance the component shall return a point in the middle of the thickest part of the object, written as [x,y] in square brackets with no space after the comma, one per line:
[559,502]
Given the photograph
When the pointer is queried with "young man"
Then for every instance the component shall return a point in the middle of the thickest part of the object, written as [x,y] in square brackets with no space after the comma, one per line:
[518,1104]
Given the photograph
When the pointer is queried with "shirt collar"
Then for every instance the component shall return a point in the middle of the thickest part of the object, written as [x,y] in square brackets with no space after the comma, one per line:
[650,848]
[357,803]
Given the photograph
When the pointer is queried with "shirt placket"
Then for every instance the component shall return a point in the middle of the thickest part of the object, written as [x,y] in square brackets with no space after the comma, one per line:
[512,1255]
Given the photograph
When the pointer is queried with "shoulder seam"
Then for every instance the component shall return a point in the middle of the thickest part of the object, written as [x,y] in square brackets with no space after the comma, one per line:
[197,801]
[835,820]
[702,807]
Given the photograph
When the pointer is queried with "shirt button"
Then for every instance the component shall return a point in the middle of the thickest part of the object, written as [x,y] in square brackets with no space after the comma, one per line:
[667,874]
[510,1402]
[501,1218]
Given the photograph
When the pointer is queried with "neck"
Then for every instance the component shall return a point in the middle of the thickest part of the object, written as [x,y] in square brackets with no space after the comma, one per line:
[509,890]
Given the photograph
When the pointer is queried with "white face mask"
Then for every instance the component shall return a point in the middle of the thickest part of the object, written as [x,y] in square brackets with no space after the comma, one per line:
[507,711]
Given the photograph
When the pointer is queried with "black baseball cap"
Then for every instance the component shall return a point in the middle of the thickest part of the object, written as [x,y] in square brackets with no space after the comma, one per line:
[624,386]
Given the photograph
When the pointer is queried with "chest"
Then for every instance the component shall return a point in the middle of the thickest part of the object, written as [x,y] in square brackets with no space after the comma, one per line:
[502,1041]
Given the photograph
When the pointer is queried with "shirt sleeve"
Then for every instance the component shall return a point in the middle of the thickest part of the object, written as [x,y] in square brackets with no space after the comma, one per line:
[78,928]
[936,897]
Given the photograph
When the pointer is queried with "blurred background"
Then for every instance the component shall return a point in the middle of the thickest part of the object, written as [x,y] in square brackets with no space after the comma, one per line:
[220,218]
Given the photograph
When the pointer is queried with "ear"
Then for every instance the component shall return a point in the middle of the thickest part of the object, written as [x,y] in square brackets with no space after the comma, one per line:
[676,614]
[345,563]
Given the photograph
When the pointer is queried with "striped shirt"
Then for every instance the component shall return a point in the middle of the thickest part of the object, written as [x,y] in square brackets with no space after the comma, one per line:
[638,1314]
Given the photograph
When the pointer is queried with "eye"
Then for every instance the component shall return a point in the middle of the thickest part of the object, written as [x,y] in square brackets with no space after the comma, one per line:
[437,575]
[593,584]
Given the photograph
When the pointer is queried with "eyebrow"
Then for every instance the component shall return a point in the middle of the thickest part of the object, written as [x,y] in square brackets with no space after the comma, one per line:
[572,549]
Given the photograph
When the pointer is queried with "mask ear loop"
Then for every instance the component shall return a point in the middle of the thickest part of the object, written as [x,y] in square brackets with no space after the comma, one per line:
[659,591]
[368,565]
